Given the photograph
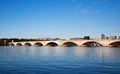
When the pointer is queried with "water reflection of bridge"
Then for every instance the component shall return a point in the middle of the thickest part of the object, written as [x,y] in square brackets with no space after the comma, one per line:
[85,43]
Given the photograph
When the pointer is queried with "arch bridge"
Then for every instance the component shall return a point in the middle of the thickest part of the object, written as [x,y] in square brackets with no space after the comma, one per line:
[70,43]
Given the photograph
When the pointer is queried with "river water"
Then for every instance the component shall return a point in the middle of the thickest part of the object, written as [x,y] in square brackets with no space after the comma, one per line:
[59,60]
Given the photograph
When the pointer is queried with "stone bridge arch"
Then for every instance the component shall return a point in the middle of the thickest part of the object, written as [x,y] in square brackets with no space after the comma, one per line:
[114,44]
[69,44]
[12,44]
[19,44]
[91,43]
[27,44]
[38,44]
[52,44]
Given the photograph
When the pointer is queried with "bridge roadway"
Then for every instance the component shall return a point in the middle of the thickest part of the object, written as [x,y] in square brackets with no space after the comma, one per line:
[68,43]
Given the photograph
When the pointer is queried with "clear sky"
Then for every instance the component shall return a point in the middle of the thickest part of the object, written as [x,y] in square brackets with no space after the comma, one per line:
[59,18]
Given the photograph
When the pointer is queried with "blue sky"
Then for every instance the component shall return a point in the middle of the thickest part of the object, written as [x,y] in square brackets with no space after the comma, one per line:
[59,18]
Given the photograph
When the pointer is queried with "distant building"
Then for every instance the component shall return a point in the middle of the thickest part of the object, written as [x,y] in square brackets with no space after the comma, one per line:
[45,39]
[56,39]
[113,37]
[87,37]
[76,38]
[106,37]
[103,36]
[118,37]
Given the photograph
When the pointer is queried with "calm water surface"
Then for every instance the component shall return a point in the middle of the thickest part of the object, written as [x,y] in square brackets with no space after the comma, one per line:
[59,60]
